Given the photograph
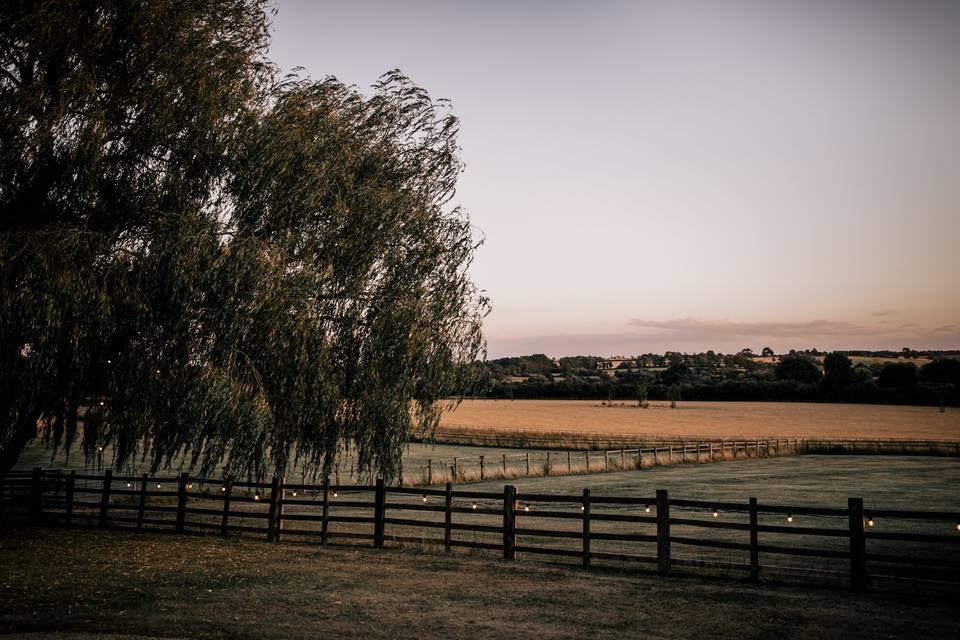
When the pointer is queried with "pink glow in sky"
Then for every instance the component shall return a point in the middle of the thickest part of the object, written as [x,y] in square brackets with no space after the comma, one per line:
[687,175]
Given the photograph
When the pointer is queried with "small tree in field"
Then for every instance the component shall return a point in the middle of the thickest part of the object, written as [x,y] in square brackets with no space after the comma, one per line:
[673,395]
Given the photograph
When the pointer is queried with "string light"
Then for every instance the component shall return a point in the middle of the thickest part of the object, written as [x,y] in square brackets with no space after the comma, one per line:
[101,403]
[129,485]
[583,507]
[256,496]
[100,448]
[474,505]
[716,514]
[789,518]
[294,494]
[335,494]
[646,508]
[189,485]
[223,488]
[869,521]
[158,485]
[526,507]
[424,498]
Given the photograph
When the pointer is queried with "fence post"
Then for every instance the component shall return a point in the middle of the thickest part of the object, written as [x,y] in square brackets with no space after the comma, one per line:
[225,518]
[670,453]
[456,468]
[36,492]
[663,532]
[325,511]
[509,521]
[481,468]
[182,502]
[504,465]
[337,474]
[379,514]
[586,457]
[754,542]
[142,501]
[273,514]
[569,463]
[448,517]
[858,545]
[429,472]
[528,463]
[105,496]
[586,528]
[71,482]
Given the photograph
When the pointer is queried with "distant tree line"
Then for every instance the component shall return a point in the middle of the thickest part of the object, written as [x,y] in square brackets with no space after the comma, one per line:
[797,377]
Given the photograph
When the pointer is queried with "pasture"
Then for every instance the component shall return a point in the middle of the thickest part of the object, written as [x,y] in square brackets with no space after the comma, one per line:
[709,420]
[154,585]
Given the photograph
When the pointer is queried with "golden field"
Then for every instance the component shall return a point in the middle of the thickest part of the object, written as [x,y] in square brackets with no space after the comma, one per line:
[710,419]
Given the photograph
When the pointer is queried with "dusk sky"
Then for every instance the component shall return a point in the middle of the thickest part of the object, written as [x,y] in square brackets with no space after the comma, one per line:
[655,176]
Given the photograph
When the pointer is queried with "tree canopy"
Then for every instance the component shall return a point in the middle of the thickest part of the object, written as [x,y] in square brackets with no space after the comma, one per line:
[202,258]
[799,367]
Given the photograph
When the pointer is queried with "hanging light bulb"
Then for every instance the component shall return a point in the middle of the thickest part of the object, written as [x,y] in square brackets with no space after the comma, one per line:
[223,489]
[294,494]
[869,521]
[129,485]
[526,507]
[646,508]
[189,485]
[256,496]
[789,518]
[474,505]
[158,485]
[335,494]
[716,513]
[424,498]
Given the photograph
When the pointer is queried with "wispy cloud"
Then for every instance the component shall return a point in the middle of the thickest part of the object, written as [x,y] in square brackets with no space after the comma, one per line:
[703,328]
[697,334]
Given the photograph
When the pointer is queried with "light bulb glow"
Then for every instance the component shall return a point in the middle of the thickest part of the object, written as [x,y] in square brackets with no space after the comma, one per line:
[424,498]
[869,521]
[223,489]
[526,508]
[334,494]
[474,505]
[646,508]
[716,514]
[789,518]
[256,496]
[294,494]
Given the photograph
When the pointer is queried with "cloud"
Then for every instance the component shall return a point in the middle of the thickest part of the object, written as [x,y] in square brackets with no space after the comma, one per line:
[684,328]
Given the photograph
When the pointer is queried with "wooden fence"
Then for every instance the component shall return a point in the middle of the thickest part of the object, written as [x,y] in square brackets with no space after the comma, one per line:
[858,546]
[540,462]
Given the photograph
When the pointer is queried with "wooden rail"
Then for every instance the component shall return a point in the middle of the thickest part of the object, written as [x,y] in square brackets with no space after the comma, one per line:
[654,529]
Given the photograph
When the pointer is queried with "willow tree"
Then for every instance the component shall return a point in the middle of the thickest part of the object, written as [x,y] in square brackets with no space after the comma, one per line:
[201,259]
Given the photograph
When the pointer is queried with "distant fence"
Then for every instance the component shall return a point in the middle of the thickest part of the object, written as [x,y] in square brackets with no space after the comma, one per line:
[854,543]
[540,463]
[641,456]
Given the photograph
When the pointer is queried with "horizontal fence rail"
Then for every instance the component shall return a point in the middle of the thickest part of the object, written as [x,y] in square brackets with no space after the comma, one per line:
[851,542]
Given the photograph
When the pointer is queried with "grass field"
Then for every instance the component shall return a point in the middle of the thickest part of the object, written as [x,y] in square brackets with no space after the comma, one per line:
[710,419]
[125,584]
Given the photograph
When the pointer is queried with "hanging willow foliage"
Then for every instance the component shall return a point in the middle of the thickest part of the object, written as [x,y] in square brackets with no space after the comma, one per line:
[202,259]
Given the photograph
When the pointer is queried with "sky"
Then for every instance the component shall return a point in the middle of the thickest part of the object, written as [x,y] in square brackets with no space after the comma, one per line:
[652,176]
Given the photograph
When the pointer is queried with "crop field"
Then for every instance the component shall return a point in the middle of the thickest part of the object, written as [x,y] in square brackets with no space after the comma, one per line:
[709,419]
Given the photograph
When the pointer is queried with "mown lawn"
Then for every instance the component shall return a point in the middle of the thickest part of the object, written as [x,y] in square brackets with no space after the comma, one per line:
[120,583]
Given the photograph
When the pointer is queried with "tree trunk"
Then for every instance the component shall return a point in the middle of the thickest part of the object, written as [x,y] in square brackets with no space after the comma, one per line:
[10,452]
